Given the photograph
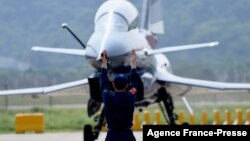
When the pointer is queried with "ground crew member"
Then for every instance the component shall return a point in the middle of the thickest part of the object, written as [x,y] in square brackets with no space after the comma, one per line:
[119,104]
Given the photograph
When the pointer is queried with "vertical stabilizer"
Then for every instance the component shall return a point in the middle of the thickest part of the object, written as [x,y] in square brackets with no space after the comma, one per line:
[152,18]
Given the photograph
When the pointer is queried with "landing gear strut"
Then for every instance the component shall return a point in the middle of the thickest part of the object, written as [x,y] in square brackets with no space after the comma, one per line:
[168,112]
[167,100]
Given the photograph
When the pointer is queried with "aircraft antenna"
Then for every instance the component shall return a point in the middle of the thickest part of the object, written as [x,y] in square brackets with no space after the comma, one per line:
[65,25]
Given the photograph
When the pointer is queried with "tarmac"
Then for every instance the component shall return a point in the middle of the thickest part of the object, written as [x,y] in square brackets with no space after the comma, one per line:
[74,136]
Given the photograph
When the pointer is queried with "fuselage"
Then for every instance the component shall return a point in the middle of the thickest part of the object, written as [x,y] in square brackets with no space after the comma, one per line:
[116,31]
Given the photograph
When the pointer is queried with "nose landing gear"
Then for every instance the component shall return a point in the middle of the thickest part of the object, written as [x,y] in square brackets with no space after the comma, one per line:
[166,98]
[91,134]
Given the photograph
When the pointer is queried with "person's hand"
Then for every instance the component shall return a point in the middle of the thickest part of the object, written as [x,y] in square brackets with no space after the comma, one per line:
[133,59]
[104,58]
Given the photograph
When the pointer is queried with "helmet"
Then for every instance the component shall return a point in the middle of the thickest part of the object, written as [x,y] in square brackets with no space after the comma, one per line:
[120,81]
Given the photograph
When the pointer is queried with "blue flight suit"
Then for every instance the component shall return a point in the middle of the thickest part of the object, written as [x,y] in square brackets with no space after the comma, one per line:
[119,108]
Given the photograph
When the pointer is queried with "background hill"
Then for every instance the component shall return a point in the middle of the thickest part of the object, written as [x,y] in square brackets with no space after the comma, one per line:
[34,22]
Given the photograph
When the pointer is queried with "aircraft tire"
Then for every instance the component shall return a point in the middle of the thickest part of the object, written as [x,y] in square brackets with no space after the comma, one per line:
[87,133]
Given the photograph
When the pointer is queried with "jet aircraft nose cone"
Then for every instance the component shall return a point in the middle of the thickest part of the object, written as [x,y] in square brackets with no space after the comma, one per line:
[114,45]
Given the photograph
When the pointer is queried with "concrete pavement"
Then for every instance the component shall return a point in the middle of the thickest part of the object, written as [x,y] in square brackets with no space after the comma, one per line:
[74,136]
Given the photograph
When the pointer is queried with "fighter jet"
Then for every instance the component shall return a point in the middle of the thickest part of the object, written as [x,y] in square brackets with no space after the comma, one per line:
[119,30]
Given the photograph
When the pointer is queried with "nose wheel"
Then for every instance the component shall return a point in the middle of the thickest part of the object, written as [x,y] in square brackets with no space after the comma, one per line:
[91,133]
[88,133]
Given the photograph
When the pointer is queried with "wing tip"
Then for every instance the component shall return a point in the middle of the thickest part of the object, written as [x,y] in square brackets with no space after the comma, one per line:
[213,44]
[35,48]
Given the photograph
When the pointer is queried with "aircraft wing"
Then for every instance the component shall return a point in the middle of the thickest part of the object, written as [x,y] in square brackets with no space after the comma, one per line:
[180,48]
[170,78]
[79,52]
[44,90]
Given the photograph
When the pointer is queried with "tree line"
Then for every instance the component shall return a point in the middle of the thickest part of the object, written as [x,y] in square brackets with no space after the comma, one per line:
[31,23]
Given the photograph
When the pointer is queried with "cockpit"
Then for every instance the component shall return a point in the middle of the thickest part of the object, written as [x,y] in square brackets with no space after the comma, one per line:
[116,15]
[112,21]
